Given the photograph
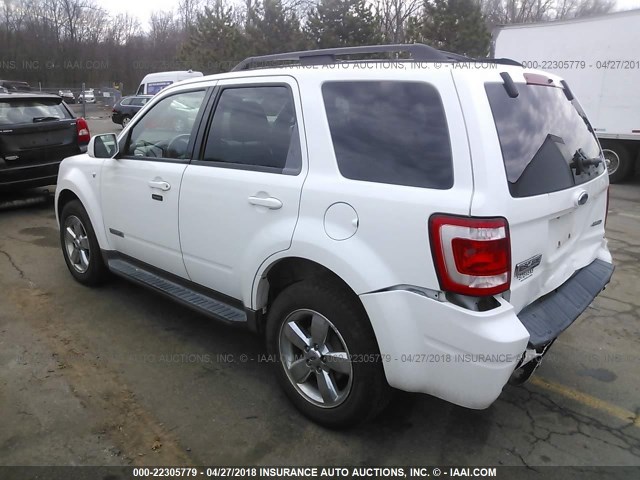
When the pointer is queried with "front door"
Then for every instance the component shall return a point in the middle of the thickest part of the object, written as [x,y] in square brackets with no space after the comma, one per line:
[141,187]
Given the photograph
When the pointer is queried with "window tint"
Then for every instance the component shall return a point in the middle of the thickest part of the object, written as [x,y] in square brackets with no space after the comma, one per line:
[31,110]
[540,133]
[255,126]
[389,132]
[138,102]
[165,130]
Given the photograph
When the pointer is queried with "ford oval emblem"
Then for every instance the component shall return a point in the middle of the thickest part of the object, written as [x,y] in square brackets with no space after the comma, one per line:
[583,198]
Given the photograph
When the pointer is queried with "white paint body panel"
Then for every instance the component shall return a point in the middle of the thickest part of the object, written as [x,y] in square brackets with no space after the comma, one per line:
[208,232]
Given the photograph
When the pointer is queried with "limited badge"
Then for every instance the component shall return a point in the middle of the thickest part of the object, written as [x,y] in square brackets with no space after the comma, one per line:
[525,269]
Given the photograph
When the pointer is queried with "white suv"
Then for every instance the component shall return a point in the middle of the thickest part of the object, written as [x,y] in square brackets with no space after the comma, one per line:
[429,224]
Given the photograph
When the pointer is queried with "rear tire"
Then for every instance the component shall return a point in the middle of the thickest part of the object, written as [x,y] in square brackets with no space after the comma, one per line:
[80,246]
[327,357]
[618,161]
[125,121]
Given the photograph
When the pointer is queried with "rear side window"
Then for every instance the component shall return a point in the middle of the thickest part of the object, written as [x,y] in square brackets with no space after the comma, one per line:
[389,132]
[138,101]
[31,110]
[547,142]
[255,128]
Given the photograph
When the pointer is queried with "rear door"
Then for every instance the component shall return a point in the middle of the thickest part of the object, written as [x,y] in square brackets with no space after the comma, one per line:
[537,163]
[239,200]
[35,131]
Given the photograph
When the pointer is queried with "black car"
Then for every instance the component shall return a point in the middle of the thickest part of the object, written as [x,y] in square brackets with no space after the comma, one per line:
[37,131]
[127,108]
[15,86]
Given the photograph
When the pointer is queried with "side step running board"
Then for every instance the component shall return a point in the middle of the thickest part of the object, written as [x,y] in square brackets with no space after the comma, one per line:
[198,301]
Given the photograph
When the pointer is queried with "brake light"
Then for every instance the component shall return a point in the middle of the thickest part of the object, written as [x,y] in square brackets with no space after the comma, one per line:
[538,79]
[472,255]
[83,131]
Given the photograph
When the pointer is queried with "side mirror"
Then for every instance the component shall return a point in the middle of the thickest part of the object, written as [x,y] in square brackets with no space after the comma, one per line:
[103,146]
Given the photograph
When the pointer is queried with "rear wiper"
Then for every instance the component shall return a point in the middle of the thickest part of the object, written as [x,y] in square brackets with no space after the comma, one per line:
[580,162]
[44,119]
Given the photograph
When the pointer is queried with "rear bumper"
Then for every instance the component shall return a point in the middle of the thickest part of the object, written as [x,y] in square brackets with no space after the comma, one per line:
[463,356]
[549,316]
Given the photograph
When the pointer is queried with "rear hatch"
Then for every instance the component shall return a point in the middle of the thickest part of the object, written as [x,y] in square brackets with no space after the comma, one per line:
[36,130]
[537,163]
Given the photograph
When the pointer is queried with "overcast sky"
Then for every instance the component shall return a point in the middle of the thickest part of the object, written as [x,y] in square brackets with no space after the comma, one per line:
[143,8]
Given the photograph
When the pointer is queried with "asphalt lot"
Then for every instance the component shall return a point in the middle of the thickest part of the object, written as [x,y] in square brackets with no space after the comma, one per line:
[121,376]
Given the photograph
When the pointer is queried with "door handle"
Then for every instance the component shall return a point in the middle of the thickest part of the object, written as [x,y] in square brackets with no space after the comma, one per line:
[269,202]
[160,185]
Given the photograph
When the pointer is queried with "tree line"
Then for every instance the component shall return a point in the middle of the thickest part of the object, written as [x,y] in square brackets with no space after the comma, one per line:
[58,43]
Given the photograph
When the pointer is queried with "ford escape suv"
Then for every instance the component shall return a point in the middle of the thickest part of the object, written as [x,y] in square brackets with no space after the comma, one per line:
[430,224]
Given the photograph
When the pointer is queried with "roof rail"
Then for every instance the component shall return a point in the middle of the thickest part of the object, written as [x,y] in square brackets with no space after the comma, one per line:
[418,51]
[463,58]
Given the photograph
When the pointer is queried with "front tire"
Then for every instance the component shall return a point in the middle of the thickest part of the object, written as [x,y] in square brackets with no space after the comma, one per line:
[80,246]
[328,361]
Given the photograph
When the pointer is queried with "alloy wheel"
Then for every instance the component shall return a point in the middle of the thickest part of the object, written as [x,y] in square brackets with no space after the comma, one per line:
[315,358]
[76,244]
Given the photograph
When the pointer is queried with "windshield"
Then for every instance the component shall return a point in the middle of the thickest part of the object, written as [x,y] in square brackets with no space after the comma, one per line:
[547,142]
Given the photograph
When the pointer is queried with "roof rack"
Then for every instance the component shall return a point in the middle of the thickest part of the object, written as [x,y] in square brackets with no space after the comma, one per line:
[419,52]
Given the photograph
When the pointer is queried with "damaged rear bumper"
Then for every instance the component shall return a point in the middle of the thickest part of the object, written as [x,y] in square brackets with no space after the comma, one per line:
[549,316]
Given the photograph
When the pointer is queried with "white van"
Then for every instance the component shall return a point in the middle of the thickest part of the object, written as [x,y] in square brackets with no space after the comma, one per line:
[154,82]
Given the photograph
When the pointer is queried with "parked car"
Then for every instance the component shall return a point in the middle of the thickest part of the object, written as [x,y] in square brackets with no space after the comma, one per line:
[428,229]
[37,131]
[86,97]
[126,108]
[67,96]
[15,85]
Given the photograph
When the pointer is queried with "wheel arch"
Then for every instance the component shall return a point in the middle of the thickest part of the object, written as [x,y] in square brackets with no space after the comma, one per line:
[80,189]
[285,271]
[281,272]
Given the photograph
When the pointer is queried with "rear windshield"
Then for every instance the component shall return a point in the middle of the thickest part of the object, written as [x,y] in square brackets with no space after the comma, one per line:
[547,142]
[31,110]
[389,132]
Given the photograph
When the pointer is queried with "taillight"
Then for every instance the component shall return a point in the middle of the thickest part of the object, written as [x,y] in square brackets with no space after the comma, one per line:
[83,131]
[472,255]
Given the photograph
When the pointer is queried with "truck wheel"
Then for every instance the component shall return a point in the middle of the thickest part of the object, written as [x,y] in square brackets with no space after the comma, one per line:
[80,246]
[618,162]
[327,357]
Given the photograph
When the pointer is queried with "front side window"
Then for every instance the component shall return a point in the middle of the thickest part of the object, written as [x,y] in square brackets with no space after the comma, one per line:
[255,127]
[165,130]
[547,142]
[389,132]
